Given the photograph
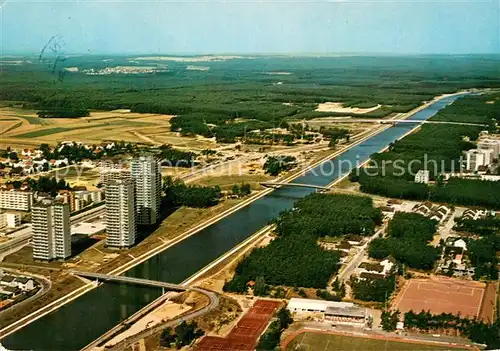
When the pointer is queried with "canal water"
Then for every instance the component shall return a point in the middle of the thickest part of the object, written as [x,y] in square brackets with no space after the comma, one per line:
[85,319]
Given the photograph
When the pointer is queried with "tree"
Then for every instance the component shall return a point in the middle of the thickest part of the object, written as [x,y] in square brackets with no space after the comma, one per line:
[235,190]
[260,288]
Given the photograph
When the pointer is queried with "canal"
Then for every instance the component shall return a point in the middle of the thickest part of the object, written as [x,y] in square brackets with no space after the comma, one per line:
[83,320]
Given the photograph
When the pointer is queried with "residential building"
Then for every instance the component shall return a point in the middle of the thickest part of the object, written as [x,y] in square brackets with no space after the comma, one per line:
[24,283]
[113,170]
[146,173]
[16,200]
[478,157]
[51,230]
[422,176]
[490,144]
[120,213]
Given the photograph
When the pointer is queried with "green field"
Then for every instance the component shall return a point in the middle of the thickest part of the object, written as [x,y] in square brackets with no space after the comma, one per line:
[323,342]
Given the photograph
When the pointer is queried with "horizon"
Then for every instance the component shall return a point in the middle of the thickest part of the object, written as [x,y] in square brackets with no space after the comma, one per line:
[279,27]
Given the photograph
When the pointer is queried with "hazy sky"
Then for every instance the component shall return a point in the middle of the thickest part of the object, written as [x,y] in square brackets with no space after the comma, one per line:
[303,26]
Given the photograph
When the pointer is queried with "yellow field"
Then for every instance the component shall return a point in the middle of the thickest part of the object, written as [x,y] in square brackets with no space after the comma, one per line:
[21,128]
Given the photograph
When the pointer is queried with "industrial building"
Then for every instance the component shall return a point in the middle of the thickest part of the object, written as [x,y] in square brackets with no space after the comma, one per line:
[120,214]
[16,200]
[339,312]
[146,174]
[51,230]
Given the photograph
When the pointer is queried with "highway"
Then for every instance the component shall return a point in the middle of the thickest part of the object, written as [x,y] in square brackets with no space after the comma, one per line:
[23,236]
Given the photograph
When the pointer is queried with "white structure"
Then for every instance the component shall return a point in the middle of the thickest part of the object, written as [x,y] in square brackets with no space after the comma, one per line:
[10,220]
[24,283]
[111,170]
[422,176]
[311,305]
[146,173]
[478,157]
[88,228]
[16,200]
[460,243]
[337,312]
[51,230]
[120,214]
[490,144]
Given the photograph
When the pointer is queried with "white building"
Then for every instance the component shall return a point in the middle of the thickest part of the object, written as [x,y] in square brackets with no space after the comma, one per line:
[490,144]
[16,200]
[478,157]
[51,230]
[422,176]
[10,220]
[120,214]
[146,173]
[332,311]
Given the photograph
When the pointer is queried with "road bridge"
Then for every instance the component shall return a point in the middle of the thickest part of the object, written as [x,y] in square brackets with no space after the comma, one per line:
[398,121]
[280,184]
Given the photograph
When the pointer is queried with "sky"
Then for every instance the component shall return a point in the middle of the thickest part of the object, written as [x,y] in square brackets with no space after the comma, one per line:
[253,26]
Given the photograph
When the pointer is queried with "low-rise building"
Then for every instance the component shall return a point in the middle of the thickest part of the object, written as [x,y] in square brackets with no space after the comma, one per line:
[16,200]
[24,283]
[422,176]
[345,313]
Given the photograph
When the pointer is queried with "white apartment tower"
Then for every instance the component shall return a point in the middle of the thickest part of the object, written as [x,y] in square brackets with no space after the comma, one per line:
[51,230]
[120,214]
[146,174]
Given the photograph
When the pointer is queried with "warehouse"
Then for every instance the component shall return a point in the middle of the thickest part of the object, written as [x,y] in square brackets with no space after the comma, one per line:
[331,311]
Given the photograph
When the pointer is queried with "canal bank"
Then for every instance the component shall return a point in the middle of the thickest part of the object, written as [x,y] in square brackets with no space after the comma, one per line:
[86,318]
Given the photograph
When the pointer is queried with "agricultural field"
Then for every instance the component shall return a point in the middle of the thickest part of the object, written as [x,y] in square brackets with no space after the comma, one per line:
[21,128]
[309,341]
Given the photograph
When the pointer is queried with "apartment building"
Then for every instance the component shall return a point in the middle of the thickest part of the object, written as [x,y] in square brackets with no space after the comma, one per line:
[146,174]
[120,214]
[478,157]
[51,230]
[16,200]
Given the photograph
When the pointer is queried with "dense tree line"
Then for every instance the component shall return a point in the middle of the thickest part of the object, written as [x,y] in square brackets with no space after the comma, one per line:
[483,256]
[482,226]
[181,336]
[294,258]
[271,338]
[63,113]
[389,320]
[392,173]
[241,190]
[176,158]
[377,290]
[276,165]
[477,331]
[48,185]
[407,241]
[179,194]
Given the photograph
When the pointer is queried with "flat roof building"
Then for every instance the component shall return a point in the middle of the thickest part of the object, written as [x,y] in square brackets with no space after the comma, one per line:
[120,214]
[16,200]
[51,230]
[146,174]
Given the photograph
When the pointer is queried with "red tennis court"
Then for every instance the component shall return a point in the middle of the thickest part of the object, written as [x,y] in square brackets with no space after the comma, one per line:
[441,295]
[245,335]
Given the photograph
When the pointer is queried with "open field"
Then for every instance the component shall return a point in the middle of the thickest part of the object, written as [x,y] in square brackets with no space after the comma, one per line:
[23,128]
[316,341]
[441,295]
[340,108]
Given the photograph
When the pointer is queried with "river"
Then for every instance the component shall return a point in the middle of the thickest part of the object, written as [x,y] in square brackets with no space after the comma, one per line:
[83,320]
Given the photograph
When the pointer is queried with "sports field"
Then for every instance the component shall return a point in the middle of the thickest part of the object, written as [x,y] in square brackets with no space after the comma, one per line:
[312,341]
[441,295]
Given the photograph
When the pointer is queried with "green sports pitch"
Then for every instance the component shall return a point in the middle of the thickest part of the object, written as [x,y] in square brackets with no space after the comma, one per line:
[310,341]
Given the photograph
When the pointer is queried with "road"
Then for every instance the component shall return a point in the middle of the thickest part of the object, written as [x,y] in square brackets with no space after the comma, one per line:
[392,121]
[359,257]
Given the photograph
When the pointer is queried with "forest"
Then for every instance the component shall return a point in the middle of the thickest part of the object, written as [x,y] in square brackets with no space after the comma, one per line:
[294,258]
[63,113]
[211,102]
[439,149]
[407,241]
[377,290]
[476,330]
[275,165]
[179,194]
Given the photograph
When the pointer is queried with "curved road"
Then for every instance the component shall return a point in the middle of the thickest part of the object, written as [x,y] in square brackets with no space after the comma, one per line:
[214,303]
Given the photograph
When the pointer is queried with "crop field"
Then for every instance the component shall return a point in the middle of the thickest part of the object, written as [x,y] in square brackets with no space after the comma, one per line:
[23,128]
[312,341]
